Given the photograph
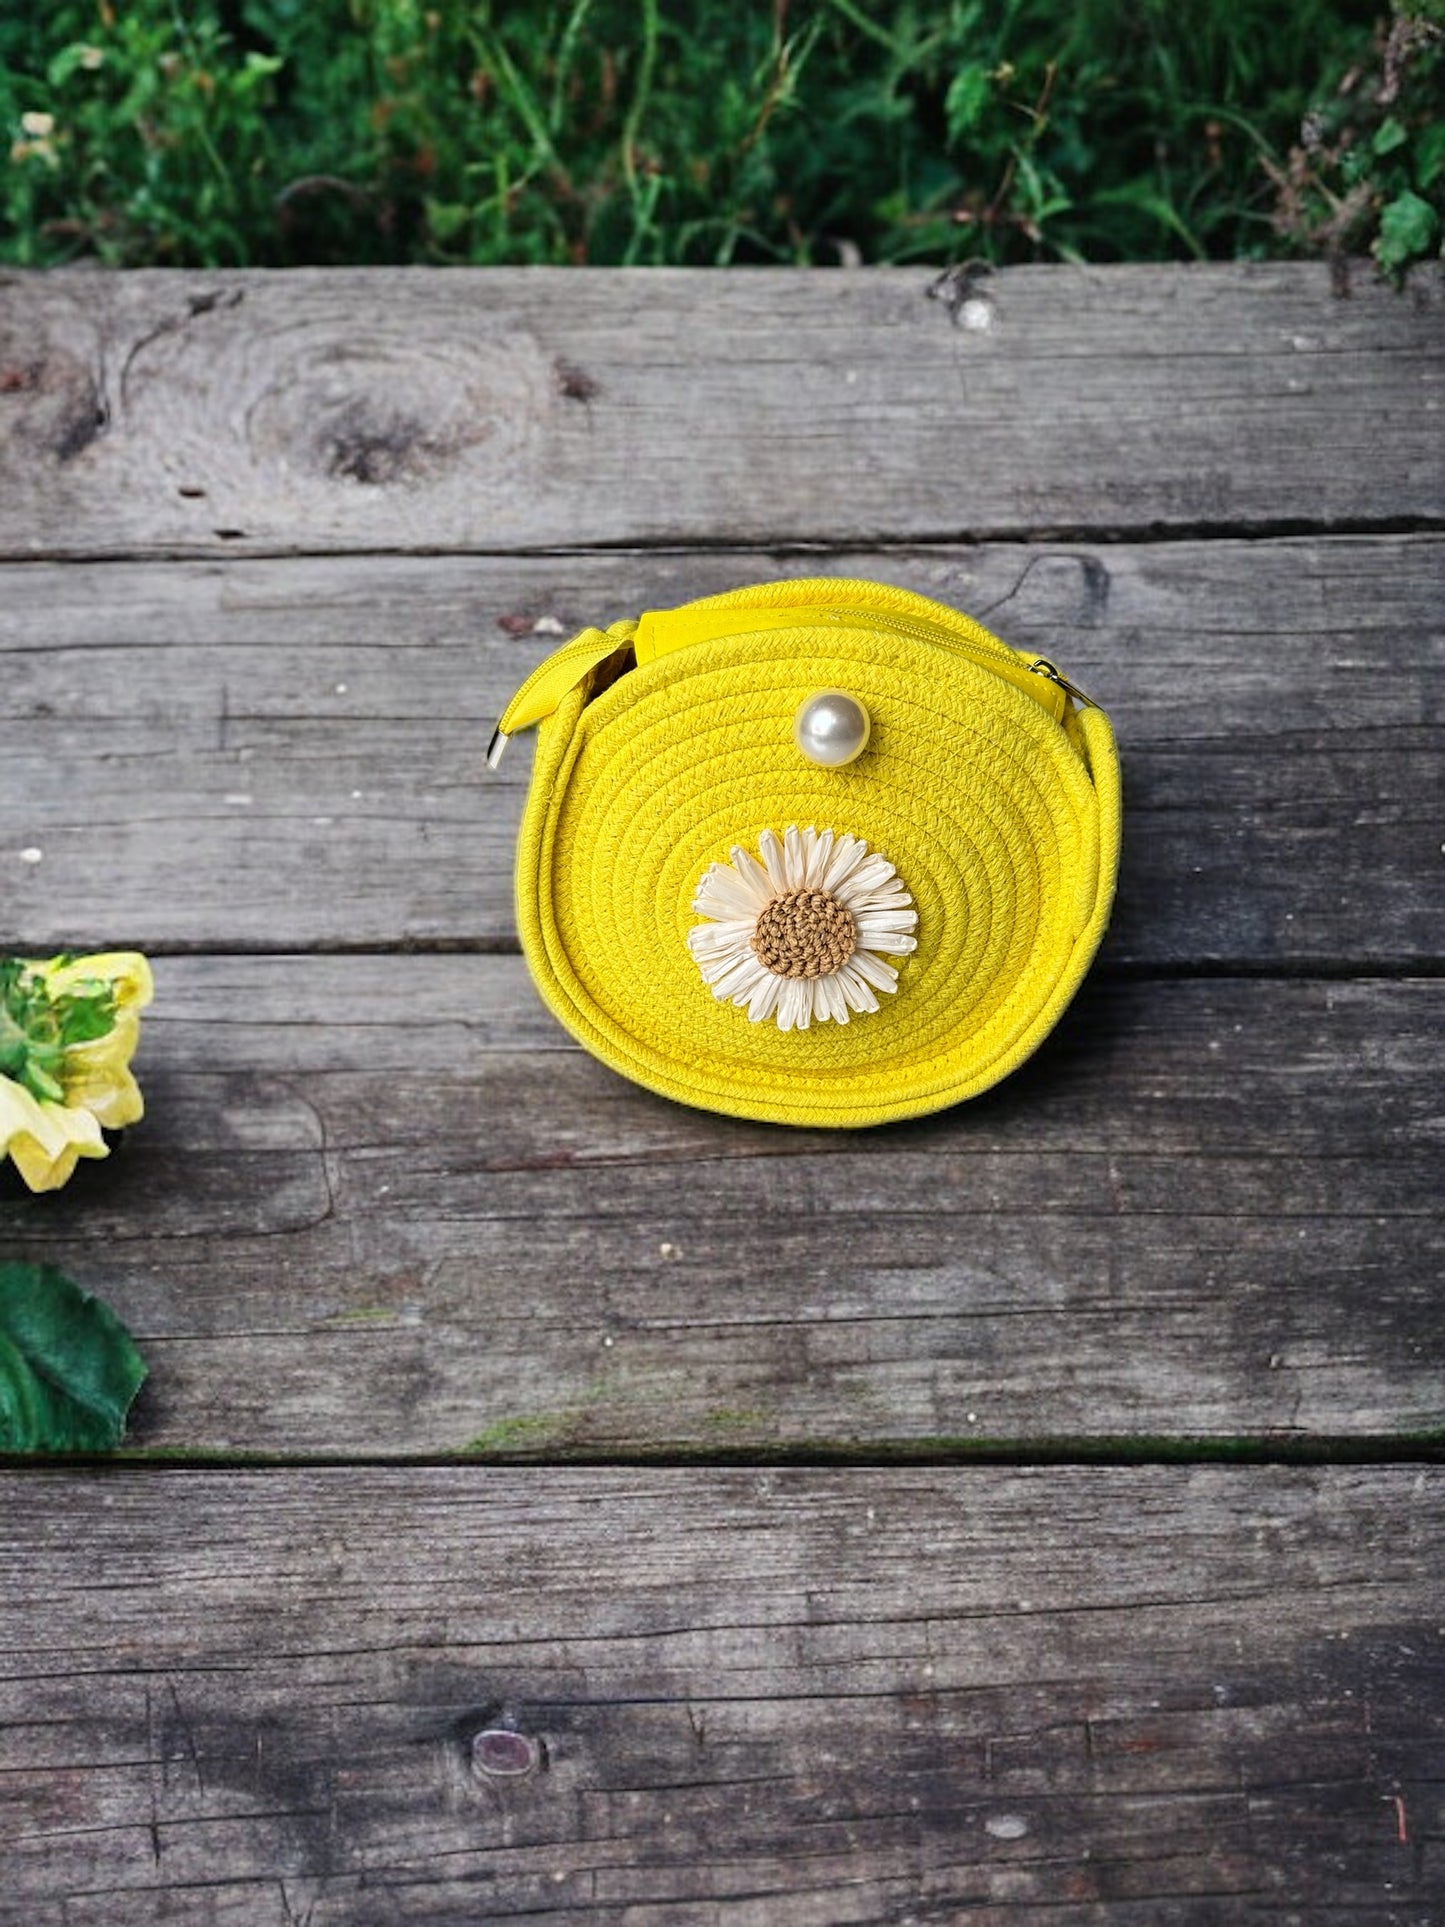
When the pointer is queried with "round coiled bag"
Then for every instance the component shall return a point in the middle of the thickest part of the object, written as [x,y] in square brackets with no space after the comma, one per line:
[819,852]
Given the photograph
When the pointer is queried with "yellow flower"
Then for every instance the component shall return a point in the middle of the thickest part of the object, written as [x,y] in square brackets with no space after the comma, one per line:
[97,1075]
[45,1139]
[125,971]
[44,1136]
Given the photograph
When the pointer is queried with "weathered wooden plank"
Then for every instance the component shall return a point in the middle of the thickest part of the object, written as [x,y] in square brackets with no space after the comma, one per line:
[523,408]
[1138,1696]
[384,1206]
[285,753]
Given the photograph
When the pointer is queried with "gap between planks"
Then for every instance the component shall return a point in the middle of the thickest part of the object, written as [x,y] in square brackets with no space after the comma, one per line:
[883,543]
[1398,1449]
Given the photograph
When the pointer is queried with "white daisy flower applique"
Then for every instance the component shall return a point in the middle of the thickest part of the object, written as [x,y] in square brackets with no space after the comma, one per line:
[797,933]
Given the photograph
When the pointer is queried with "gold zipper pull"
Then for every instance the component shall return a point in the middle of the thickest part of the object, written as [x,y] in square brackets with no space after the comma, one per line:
[1043,667]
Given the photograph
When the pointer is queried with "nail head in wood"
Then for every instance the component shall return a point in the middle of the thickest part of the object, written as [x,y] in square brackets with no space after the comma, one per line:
[499,1753]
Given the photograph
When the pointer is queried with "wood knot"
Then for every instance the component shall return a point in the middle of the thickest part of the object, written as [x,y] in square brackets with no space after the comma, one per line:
[52,404]
[805,933]
[501,1752]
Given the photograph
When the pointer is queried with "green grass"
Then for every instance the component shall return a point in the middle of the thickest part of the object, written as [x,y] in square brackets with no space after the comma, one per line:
[280,132]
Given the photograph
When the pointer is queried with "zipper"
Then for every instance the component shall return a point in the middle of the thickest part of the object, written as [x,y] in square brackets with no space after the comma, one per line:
[1000,659]
[660,631]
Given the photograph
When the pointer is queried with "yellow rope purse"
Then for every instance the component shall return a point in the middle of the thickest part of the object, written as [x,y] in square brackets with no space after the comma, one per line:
[819,852]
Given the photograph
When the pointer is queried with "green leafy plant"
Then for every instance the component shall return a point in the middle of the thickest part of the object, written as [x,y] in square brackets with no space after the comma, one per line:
[222,132]
[69,1026]
[37,1026]
[69,1369]
[1369,164]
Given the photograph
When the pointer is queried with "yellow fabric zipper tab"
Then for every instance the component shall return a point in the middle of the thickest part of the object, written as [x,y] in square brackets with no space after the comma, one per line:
[1041,666]
[551,680]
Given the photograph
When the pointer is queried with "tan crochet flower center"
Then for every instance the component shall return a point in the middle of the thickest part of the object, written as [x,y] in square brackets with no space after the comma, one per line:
[804,933]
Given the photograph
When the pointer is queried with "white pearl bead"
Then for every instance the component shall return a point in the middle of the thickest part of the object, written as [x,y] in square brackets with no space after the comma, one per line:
[831,728]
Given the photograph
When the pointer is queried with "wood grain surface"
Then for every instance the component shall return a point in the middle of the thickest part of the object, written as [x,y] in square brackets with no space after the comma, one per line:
[164,413]
[384,1206]
[290,753]
[550,1503]
[1186,1695]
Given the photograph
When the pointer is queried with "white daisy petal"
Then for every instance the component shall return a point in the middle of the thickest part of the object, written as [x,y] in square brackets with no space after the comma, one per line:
[821,849]
[750,989]
[787,1007]
[848,853]
[746,973]
[712,939]
[706,938]
[897,943]
[854,988]
[795,858]
[872,873]
[884,920]
[718,970]
[872,969]
[752,873]
[805,1002]
[741,976]
[723,893]
[891,897]
[713,967]
[785,1003]
[831,993]
[764,1000]
[771,852]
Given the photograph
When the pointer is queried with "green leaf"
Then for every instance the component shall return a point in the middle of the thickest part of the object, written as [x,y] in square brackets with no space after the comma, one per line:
[447,218]
[68,1367]
[966,99]
[1389,135]
[37,1029]
[64,64]
[1430,155]
[1407,227]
